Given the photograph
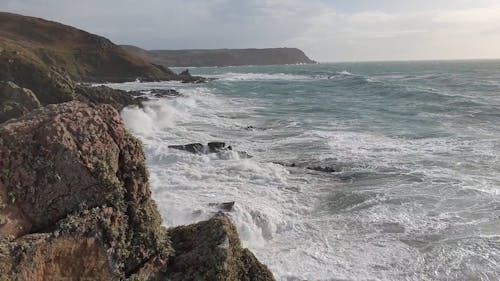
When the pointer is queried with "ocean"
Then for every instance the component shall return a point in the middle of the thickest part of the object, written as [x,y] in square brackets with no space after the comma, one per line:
[409,185]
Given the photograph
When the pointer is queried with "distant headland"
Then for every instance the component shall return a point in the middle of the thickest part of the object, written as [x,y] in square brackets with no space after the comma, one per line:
[223,57]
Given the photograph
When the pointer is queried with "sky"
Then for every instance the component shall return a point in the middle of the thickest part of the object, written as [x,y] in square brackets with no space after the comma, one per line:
[334,30]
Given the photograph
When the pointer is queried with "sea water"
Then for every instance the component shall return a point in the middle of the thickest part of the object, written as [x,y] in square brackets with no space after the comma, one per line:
[414,146]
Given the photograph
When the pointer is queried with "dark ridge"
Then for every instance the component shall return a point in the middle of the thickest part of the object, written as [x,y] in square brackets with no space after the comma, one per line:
[81,55]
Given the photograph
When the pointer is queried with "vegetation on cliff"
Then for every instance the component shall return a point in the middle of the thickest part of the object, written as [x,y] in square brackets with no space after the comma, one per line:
[223,57]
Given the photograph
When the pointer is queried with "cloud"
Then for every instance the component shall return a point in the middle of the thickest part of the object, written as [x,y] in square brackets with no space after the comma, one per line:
[327,30]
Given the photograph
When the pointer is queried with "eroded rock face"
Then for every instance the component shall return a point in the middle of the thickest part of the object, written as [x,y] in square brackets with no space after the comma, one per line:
[211,250]
[72,170]
[40,257]
[15,101]
[105,95]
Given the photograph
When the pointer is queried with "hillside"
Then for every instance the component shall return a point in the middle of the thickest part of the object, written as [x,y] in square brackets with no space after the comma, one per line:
[81,55]
[223,57]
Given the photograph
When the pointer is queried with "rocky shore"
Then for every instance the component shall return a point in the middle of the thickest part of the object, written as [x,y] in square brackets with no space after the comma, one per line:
[75,202]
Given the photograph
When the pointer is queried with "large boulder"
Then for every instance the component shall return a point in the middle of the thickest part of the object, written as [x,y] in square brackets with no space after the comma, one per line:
[72,170]
[15,101]
[211,250]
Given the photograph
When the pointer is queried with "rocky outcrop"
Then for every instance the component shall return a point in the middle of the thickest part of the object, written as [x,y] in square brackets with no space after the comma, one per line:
[15,101]
[198,148]
[223,57]
[186,77]
[72,171]
[211,250]
[76,205]
[105,95]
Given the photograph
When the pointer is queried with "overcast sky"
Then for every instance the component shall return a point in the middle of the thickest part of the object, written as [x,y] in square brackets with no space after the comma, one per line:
[334,30]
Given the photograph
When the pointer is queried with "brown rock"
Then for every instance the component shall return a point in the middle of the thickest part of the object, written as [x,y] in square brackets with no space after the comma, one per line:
[105,95]
[76,205]
[73,171]
[40,257]
[15,101]
[211,250]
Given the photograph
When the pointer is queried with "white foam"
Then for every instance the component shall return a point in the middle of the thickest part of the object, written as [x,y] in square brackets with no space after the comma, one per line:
[235,76]
[280,212]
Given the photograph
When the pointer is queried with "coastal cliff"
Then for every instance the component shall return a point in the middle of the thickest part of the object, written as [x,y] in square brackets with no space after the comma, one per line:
[223,57]
[75,202]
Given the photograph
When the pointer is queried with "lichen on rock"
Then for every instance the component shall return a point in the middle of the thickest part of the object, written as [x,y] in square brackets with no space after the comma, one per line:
[75,204]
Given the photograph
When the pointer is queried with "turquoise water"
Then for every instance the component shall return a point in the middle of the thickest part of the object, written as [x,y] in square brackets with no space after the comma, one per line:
[415,147]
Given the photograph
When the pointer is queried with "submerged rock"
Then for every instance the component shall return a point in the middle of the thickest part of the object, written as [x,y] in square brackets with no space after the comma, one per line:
[186,77]
[225,207]
[15,101]
[198,148]
[323,169]
[165,93]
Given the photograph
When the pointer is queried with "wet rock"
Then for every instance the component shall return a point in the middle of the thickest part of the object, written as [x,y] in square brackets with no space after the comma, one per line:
[211,250]
[15,101]
[186,77]
[225,207]
[42,257]
[322,169]
[165,93]
[214,147]
[198,148]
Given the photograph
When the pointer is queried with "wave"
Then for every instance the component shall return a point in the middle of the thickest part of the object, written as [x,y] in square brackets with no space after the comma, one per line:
[234,76]
[393,198]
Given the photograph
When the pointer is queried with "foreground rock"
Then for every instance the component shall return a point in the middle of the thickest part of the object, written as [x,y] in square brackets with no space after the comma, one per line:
[198,148]
[73,173]
[76,205]
[227,259]
[15,101]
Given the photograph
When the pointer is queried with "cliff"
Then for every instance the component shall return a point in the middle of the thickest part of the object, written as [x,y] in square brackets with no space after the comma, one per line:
[223,57]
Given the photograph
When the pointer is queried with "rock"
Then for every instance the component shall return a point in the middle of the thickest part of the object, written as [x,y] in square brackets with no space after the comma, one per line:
[105,95]
[186,77]
[165,93]
[198,148]
[323,169]
[214,147]
[15,101]
[225,207]
[211,250]
[72,171]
